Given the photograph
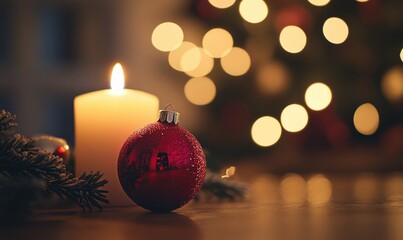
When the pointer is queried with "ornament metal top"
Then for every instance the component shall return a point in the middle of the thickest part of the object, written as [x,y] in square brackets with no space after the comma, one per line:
[168,116]
[162,166]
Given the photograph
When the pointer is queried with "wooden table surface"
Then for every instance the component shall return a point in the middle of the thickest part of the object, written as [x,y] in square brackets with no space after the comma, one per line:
[237,220]
[330,207]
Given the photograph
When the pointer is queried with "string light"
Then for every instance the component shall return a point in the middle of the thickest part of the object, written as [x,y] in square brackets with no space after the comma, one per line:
[335,30]
[222,3]
[236,62]
[167,36]
[200,91]
[175,56]
[319,3]
[205,66]
[190,59]
[253,11]
[292,39]
[318,96]
[217,42]
[294,118]
[366,119]
[392,84]
[266,131]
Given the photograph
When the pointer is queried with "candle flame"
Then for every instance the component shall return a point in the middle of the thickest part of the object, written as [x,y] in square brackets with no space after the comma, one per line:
[118,78]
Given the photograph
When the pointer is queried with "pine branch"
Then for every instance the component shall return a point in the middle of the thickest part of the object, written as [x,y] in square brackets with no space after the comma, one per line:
[19,160]
[216,187]
[6,121]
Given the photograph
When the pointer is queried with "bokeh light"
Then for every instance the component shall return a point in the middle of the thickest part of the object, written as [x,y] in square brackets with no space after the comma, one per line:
[205,66]
[236,62]
[319,3]
[366,119]
[167,36]
[392,84]
[222,3]
[200,91]
[253,11]
[293,189]
[335,30]
[272,78]
[366,188]
[319,190]
[318,96]
[294,118]
[175,56]
[362,0]
[401,55]
[292,39]
[190,59]
[266,131]
[264,189]
[217,42]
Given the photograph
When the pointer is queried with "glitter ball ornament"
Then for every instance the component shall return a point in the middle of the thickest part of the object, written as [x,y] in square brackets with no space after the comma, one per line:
[162,166]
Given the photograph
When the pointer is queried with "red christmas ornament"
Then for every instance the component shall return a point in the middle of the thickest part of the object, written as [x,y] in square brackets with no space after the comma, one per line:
[56,146]
[162,166]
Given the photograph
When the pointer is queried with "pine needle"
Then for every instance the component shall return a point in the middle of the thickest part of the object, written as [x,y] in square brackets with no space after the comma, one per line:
[20,160]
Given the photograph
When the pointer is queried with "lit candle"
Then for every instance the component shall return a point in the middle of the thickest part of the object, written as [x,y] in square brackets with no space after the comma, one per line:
[103,121]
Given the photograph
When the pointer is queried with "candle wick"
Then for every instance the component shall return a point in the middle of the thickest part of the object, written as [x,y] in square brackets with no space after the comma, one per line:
[116,91]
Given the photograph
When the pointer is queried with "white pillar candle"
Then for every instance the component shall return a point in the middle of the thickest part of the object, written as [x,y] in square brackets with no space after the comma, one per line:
[103,121]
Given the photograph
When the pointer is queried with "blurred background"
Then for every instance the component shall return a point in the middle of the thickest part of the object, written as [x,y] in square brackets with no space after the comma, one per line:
[280,85]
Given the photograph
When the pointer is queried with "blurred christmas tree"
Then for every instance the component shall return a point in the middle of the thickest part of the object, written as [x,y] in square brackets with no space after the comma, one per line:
[350,46]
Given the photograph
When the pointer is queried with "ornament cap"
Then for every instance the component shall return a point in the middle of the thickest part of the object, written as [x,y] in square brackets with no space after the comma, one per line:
[168,116]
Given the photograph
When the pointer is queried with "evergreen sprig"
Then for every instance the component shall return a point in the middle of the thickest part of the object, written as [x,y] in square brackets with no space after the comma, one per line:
[20,160]
[217,188]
